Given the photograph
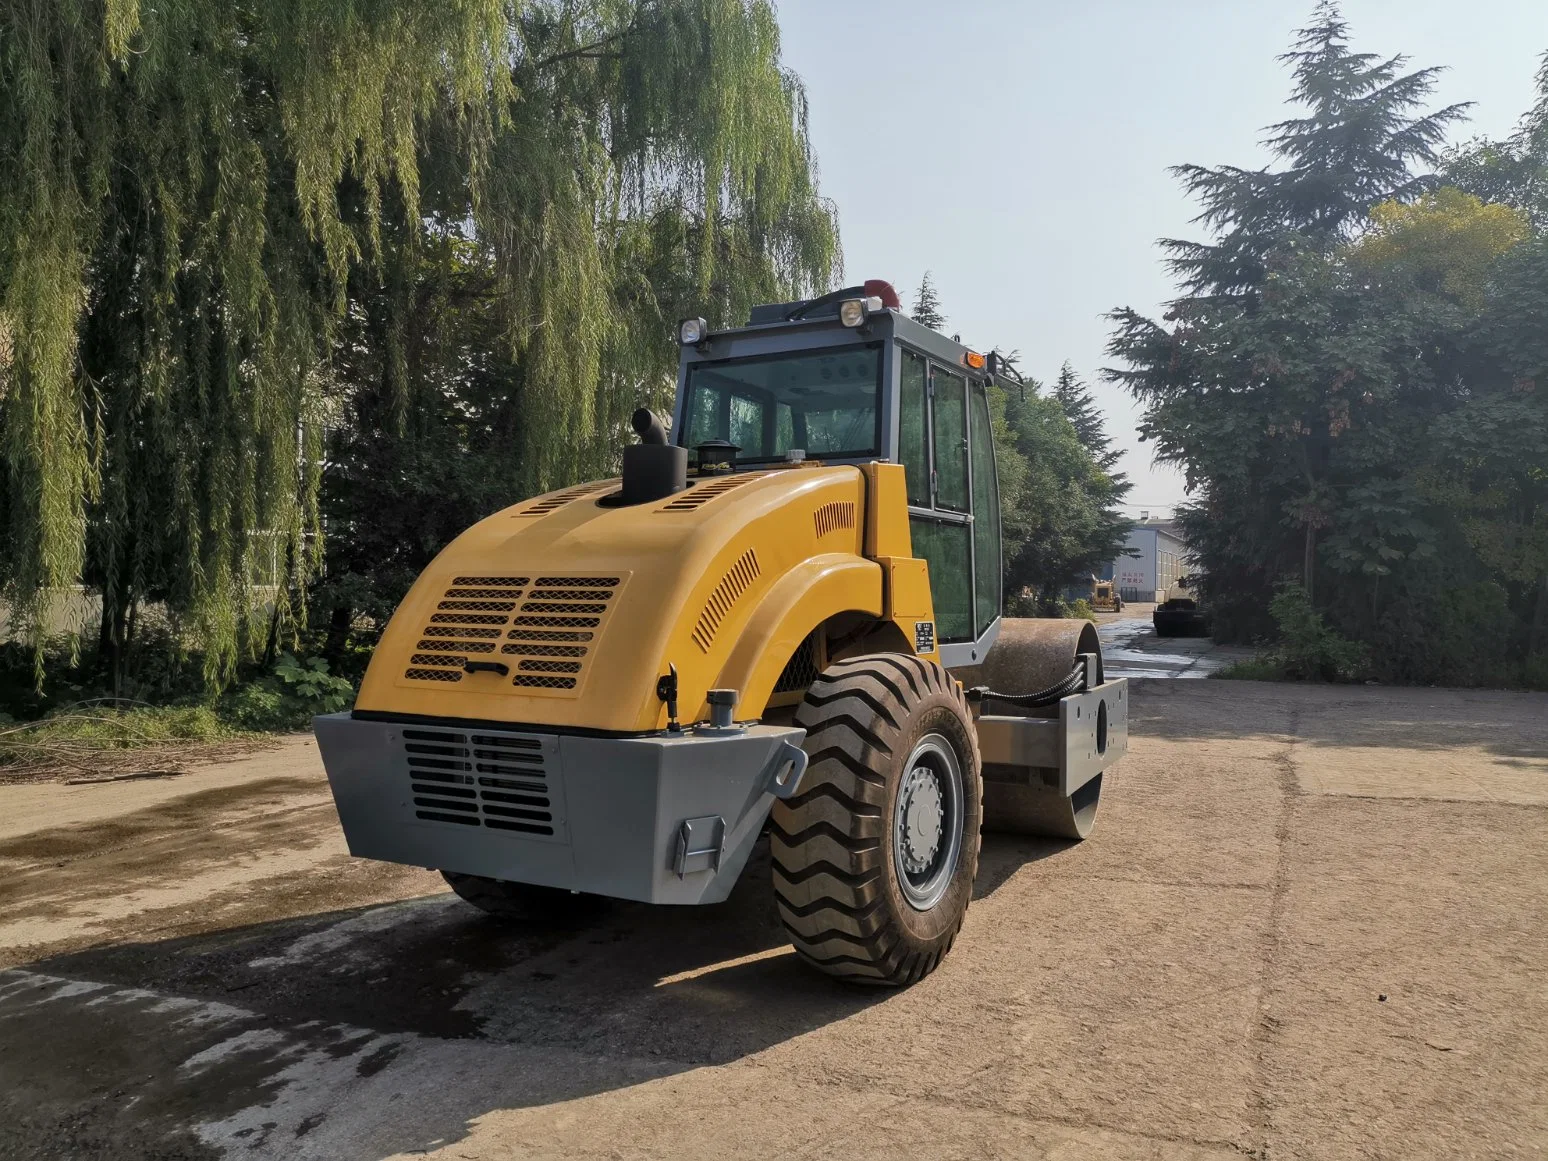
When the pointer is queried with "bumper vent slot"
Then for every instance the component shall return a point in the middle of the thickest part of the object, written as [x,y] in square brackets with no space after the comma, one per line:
[552,621]
[496,781]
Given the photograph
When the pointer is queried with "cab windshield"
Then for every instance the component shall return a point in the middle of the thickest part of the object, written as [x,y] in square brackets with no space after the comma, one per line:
[823,402]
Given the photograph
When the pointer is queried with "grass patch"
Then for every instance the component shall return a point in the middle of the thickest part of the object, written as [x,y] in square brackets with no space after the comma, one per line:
[1253,669]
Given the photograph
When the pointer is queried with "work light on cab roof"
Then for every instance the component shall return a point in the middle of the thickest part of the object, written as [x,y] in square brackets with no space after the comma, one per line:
[783,618]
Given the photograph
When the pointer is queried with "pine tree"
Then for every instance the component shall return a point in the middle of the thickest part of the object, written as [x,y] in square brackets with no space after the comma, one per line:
[1063,522]
[1076,399]
[927,306]
[1278,233]
[1346,378]
[1357,146]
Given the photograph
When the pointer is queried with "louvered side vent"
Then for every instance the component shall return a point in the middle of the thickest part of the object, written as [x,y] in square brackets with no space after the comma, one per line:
[554,632]
[498,781]
[468,622]
[832,517]
[546,504]
[701,494]
[731,587]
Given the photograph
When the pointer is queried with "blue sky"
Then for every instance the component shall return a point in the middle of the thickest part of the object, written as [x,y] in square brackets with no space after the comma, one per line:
[1018,151]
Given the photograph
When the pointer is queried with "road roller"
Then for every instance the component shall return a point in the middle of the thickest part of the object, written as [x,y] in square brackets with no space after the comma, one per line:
[783,618]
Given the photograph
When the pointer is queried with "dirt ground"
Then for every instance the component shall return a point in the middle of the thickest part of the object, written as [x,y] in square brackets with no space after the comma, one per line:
[1312,923]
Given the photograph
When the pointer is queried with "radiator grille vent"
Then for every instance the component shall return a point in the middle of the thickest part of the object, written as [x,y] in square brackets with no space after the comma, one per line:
[730,588]
[701,494]
[832,517]
[540,621]
[496,781]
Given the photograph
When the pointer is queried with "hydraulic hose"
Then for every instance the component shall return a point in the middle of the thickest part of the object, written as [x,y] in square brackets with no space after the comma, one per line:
[1073,682]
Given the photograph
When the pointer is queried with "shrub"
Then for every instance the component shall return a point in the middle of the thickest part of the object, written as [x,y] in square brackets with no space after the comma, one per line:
[1021,604]
[1457,634]
[289,696]
[1308,649]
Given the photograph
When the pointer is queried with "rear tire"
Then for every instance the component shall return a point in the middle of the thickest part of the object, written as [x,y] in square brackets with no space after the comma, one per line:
[517,901]
[874,860]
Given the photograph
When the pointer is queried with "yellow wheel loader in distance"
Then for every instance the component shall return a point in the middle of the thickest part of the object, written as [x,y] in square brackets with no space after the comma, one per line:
[614,689]
[1104,596]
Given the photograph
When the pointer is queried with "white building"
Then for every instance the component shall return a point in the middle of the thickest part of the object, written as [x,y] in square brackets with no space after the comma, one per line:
[1157,564]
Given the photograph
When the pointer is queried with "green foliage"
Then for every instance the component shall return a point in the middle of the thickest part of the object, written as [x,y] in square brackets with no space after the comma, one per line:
[1308,649]
[289,696]
[1265,667]
[430,229]
[1022,603]
[165,673]
[1512,172]
[284,696]
[1060,520]
[1352,382]
[1081,607]
[1081,409]
[927,305]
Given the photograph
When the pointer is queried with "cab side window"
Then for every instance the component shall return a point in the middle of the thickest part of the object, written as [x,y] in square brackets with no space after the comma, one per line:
[913,424]
[951,451]
[986,511]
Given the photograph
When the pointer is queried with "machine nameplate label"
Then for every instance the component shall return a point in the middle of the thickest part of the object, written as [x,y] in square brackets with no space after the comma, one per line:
[924,636]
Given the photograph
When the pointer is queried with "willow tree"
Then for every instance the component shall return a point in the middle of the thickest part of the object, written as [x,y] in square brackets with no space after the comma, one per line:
[203,197]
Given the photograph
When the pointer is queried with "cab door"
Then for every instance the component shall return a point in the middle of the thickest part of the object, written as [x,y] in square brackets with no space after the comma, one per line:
[946,448]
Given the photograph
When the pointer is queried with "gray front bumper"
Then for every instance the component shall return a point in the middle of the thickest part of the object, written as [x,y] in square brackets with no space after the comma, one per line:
[662,819]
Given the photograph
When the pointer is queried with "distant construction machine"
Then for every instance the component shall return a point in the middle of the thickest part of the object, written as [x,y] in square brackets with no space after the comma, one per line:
[1104,596]
[786,619]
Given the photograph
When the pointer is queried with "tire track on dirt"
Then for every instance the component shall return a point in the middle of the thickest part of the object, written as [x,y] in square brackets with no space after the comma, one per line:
[1266,1026]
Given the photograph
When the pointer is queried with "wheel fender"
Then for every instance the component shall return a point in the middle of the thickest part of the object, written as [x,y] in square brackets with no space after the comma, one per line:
[818,588]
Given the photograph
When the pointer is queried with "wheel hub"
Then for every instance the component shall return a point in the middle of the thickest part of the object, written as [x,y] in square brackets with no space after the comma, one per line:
[927,822]
[923,819]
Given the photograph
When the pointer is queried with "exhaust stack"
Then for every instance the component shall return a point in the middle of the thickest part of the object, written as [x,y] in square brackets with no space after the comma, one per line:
[652,469]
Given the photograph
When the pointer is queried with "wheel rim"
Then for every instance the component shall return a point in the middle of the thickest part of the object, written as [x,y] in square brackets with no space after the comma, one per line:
[927,822]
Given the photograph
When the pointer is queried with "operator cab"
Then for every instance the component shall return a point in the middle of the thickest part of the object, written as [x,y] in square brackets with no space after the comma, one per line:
[848,378]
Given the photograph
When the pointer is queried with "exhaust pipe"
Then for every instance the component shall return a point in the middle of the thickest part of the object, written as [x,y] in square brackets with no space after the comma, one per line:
[653,469]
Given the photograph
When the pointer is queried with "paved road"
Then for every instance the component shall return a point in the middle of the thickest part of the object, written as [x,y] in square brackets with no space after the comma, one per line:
[1311,924]
[1130,648]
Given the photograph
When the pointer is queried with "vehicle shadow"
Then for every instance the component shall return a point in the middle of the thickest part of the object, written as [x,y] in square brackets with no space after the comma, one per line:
[373,1031]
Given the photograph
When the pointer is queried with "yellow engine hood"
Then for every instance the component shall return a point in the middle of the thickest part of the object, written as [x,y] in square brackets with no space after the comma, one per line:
[585,606]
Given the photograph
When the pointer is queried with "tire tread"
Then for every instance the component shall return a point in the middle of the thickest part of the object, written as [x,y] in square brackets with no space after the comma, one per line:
[829,844]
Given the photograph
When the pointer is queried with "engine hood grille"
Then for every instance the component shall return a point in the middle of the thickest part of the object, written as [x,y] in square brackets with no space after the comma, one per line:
[542,631]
